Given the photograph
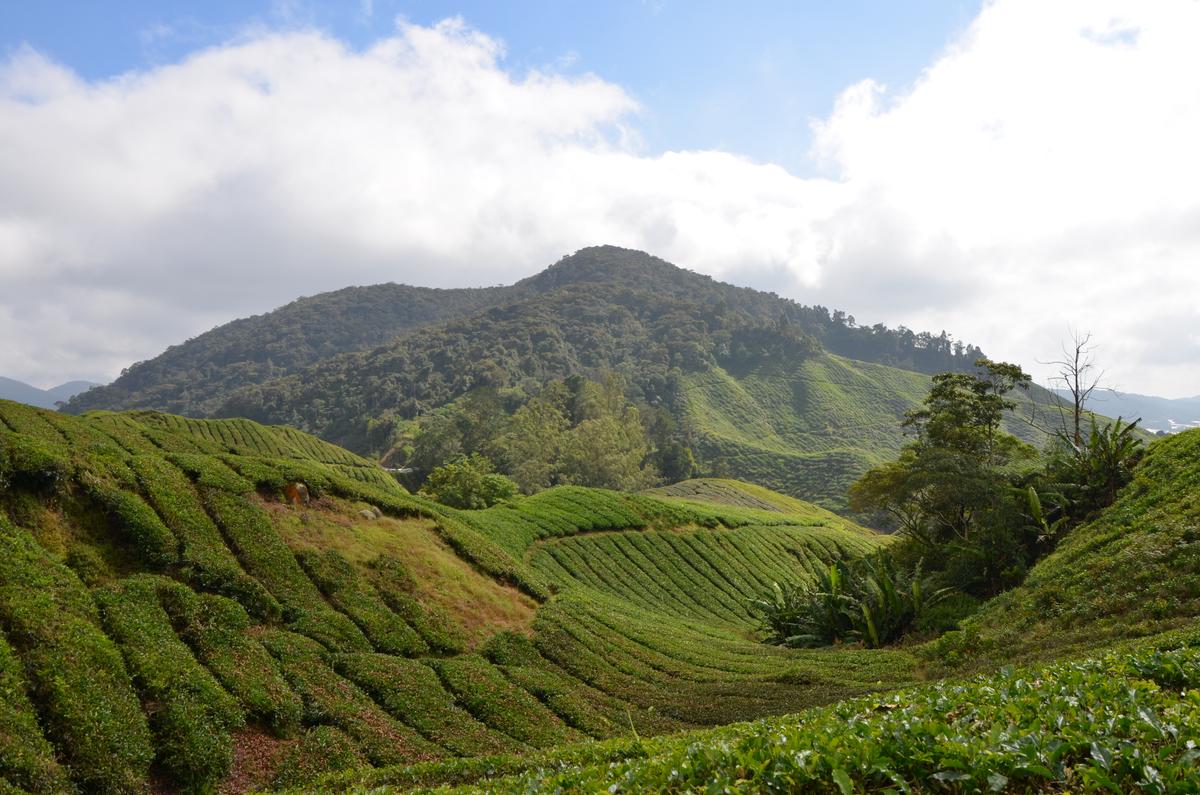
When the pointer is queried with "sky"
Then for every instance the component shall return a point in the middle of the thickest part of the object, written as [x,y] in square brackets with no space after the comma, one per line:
[1006,171]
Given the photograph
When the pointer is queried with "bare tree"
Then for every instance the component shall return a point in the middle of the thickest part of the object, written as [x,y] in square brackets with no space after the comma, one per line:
[1079,378]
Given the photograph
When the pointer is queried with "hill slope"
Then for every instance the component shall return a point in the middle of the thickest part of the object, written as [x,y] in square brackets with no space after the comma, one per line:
[712,354]
[1133,571]
[195,376]
[175,608]
[1123,590]
[19,391]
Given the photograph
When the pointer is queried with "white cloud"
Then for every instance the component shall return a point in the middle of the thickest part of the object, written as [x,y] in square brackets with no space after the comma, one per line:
[1042,172]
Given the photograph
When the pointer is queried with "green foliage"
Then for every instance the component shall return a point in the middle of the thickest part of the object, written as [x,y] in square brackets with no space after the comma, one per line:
[322,749]
[218,631]
[26,759]
[206,560]
[871,600]
[331,699]
[484,692]
[76,673]
[706,574]
[1133,570]
[356,598]
[265,556]
[411,692]
[134,518]
[1116,729]
[191,714]
[1086,478]
[394,585]
[191,378]
[469,482]
[949,492]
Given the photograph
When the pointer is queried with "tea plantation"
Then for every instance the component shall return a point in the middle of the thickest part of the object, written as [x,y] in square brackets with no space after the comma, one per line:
[204,605]
[196,604]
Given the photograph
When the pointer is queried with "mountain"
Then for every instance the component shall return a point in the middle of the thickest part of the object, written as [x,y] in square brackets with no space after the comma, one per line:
[799,398]
[1170,415]
[21,392]
[196,376]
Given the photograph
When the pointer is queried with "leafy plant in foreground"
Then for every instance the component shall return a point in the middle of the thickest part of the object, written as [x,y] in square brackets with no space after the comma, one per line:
[873,601]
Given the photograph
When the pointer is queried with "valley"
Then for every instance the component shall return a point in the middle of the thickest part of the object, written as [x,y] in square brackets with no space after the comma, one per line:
[201,604]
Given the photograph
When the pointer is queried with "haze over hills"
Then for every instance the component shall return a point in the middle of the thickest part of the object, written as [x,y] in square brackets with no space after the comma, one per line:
[1170,415]
[798,398]
[11,389]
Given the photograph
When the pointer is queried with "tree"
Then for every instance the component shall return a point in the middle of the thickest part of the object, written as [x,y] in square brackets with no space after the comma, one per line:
[949,491]
[1075,373]
[470,482]
[532,441]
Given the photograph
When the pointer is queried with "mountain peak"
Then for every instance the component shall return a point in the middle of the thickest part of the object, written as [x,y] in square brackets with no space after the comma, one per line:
[612,264]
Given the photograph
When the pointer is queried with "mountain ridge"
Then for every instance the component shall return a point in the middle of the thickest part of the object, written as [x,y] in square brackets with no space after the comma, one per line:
[21,392]
[192,377]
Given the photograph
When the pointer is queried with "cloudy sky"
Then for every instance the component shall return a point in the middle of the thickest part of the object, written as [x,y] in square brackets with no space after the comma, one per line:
[1003,172]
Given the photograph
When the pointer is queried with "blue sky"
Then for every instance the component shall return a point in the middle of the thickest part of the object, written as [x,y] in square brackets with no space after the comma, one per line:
[743,77]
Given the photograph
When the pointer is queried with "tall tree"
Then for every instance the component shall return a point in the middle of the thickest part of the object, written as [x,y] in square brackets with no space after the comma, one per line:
[1078,376]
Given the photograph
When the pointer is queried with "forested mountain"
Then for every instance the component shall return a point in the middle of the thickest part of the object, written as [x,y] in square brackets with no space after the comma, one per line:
[757,386]
[195,377]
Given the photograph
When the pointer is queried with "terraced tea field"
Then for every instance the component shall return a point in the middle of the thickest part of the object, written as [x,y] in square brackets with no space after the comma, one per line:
[166,614]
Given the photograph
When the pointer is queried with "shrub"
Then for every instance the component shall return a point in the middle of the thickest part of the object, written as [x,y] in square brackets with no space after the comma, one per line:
[470,483]
[207,561]
[136,520]
[946,615]
[77,676]
[872,601]
[349,593]
[267,557]
[218,631]
[26,758]
[190,713]
[411,692]
[491,698]
[322,749]
[395,585]
[330,698]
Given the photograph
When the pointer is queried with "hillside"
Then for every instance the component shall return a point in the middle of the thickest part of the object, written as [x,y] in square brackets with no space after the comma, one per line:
[1157,413]
[175,608]
[355,367]
[11,389]
[1133,571]
[194,377]
[1105,633]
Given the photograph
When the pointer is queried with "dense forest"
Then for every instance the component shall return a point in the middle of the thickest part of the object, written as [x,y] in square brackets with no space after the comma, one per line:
[195,377]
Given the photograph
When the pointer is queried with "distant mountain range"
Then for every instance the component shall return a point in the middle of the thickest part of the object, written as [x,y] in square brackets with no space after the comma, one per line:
[799,398]
[11,389]
[1170,415]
